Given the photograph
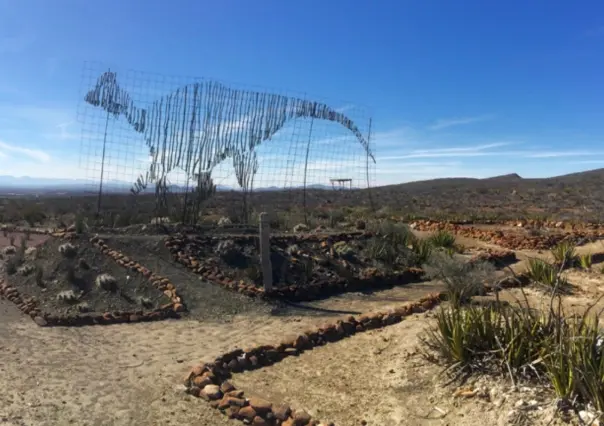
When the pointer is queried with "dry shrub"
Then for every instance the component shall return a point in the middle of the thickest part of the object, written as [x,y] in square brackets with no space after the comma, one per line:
[526,344]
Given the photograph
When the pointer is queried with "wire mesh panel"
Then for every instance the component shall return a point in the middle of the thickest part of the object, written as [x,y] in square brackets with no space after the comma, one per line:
[195,150]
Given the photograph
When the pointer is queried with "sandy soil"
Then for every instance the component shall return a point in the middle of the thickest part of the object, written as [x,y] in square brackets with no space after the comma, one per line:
[33,241]
[130,373]
[117,375]
[379,377]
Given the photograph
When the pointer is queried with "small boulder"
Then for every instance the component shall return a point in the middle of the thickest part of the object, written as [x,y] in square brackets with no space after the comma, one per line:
[212,392]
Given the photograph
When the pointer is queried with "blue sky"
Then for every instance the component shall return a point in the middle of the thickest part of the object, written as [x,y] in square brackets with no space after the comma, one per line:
[469,88]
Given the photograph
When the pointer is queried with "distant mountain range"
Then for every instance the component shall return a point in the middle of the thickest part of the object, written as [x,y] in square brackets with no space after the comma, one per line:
[28,185]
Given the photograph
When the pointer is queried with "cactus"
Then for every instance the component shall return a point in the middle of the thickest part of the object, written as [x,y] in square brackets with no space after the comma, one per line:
[68,250]
[26,270]
[106,282]
[68,296]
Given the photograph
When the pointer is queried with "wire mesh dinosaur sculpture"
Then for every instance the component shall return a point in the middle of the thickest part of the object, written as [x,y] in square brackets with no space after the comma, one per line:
[201,124]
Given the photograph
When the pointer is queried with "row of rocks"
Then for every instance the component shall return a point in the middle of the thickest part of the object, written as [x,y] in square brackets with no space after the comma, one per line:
[279,240]
[30,306]
[508,239]
[24,229]
[211,381]
[497,257]
[161,283]
[525,223]
[315,289]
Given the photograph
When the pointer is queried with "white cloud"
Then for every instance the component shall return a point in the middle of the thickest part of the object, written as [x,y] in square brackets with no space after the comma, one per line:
[465,151]
[450,122]
[556,154]
[35,154]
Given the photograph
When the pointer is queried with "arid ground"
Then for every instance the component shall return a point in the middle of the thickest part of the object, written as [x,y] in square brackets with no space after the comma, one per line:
[132,373]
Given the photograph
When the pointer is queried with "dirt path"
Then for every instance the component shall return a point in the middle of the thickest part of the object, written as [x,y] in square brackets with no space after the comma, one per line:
[128,374]
[380,378]
[121,374]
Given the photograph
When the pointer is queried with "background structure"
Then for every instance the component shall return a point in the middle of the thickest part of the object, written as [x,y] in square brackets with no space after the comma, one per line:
[192,150]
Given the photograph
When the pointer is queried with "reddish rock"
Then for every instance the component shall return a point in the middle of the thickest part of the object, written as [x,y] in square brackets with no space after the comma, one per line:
[212,392]
[282,412]
[301,342]
[226,387]
[261,406]
[234,365]
[247,413]
[259,421]
[232,412]
[202,381]
[236,393]
[301,418]
[40,321]
[194,390]
[229,401]
[198,370]
[291,352]
[134,318]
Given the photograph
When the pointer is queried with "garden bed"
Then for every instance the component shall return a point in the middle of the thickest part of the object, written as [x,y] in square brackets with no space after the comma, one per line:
[76,283]
[304,267]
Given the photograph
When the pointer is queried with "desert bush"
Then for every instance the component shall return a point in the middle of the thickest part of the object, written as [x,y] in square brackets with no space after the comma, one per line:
[564,254]
[395,234]
[421,251]
[106,282]
[337,216]
[547,275]
[33,214]
[525,344]
[462,279]
[343,250]
[381,251]
[442,239]
[254,273]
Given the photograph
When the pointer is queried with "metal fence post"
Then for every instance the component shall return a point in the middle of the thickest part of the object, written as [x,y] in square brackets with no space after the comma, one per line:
[265,252]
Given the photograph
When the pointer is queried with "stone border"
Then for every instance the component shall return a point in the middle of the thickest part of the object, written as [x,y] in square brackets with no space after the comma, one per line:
[507,240]
[211,381]
[497,257]
[293,293]
[159,282]
[30,306]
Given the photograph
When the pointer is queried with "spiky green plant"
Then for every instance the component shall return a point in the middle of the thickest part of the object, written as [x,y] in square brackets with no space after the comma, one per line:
[586,261]
[442,239]
[462,280]
[565,255]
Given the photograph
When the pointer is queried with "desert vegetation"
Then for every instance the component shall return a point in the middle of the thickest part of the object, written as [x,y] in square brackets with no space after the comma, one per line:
[518,288]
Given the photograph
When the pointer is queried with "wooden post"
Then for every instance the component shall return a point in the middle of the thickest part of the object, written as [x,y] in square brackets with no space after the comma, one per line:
[265,252]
